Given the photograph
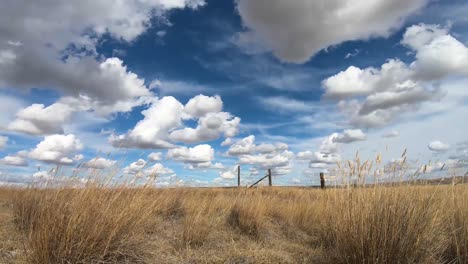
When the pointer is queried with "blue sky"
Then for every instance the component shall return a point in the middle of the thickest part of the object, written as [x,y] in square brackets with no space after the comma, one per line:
[207,85]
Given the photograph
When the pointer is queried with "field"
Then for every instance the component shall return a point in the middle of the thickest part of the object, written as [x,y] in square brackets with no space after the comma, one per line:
[124,224]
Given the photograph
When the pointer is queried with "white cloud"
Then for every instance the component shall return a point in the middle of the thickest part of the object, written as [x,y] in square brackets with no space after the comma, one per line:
[266,161]
[296,30]
[230,173]
[243,146]
[3,142]
[350,135]
[99,163]
[438,146]
[196,155]
[391,134]
[40,120]
[153,131]
[154,156]
[57,149]
[438,54]
[210,127]
[305,155]
[135,167]
[227,142]
[14,161]
[163,121]
[201,105]
[247,146]
[158,170]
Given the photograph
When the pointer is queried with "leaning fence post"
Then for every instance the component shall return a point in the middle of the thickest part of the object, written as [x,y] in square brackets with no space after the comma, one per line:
[238,176]
[269,178]
[322,180]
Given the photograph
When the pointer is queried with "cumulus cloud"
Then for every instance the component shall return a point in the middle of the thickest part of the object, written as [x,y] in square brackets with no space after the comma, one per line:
[135,167]
[438,54]
[296,30]
[80,20]
[350,135]
[247,146]
[266,161]
[438,146]
[201,105]
[57,149]
[373,97]
[391,134]
[38,52]
[227,142]
[230,173]
[243,146]
[152,131]
[14,161]
[210,127]
[163,124]
[200,155]
[40,120]
[155,156]
[158,170]
[3,142]
[99,163]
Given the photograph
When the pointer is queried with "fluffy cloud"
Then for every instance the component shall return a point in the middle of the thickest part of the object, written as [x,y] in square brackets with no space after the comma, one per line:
[247,146]
[210,127]
[3,141]
[25,22]
[201,105]
[157,170]
[230,173]
[14,161]
[197,155]
[99,163]
[349,135]
[154,156]
[227,142]
[57,149]
[268,161]
[296,30]
[107,86]
[163,120]
[438,54]
[38,52]
[243,146]
[153,130]
[374,97]
[438,146]
[135,167]
[40,120]
[391,134]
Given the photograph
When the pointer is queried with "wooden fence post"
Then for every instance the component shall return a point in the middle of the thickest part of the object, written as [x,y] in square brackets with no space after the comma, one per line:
[322,180]
[269,178]
[238,176]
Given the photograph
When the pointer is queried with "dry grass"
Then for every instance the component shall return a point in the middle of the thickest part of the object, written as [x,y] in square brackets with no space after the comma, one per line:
[402,224]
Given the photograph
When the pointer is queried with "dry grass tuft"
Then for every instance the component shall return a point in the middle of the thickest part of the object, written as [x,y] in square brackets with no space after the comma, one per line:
[247,216]
[86,225]
[384,225]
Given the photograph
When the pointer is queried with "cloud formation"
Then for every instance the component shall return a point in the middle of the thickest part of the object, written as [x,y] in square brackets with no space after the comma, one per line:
[374,97]
[438,146]
[164,119]
[296,30]
[57,149]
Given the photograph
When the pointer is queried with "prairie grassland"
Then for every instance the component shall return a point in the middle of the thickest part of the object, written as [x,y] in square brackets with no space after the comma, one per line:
[122,224]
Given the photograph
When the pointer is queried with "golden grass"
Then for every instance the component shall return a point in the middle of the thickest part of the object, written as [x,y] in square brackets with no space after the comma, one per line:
[123,224]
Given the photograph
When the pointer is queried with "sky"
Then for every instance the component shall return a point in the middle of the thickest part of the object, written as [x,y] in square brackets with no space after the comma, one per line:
[186,90]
